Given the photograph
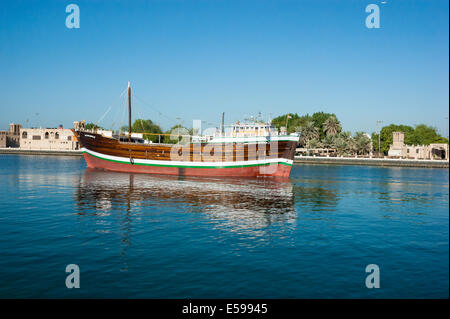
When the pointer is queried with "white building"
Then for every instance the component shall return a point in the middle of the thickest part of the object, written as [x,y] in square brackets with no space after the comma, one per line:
[47,139]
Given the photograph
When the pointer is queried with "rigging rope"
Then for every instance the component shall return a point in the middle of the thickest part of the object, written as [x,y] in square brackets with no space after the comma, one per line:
[109,109]
[154,108]
[124,107]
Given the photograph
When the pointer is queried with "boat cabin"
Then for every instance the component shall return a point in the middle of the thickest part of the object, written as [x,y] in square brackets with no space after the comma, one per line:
[252,129]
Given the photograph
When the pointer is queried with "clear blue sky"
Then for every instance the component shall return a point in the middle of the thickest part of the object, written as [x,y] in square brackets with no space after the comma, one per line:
[194,59]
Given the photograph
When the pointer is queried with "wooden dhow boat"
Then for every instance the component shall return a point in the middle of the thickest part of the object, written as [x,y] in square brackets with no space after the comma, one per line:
[247,150]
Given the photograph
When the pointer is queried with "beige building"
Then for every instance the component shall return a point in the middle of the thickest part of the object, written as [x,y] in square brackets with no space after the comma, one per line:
[3,139]
[10,138]
[400,150]
[47,139]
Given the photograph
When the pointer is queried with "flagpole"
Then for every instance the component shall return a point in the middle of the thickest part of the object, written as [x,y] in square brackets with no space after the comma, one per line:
[287,117]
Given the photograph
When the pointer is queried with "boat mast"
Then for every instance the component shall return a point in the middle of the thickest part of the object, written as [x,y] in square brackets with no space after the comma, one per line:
[129,112]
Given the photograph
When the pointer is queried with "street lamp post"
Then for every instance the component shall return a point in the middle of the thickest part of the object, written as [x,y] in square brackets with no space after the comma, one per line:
[178,128]
[446,126]
[379,136]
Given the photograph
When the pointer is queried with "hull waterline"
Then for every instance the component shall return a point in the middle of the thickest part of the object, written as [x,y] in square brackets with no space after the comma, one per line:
[265,169]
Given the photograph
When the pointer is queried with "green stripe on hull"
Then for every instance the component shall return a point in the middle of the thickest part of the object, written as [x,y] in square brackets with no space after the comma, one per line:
[186,166]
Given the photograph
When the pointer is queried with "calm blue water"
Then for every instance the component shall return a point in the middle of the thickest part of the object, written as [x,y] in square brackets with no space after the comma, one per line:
[148,236]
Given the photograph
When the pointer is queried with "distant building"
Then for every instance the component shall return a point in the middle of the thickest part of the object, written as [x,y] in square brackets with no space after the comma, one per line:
[250,129]
[10,138]
[3,139]
[432,151]
[47,139]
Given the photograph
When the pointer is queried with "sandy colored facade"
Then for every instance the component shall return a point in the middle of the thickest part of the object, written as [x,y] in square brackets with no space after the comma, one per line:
[400,150]
[47,139]
[10,138]
[3,139]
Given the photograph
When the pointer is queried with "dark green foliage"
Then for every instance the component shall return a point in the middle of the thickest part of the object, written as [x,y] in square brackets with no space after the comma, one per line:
[145,126]
[427,135]
[174,131]
[313,130]
[92,126]
[294,122]
[419,135]
[332,126]
[319,119]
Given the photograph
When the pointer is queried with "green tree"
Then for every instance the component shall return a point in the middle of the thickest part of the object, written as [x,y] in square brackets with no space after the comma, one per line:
[419,135]
[341,145]
[332,126]
[146,126]
[313,143]
[308,132]
[362,143]
[426,135]
[351,144]
[294,122]
[386,136]
[344,144]
[174,132]
[329,141]
[375,142]
[92,126]
[319,119]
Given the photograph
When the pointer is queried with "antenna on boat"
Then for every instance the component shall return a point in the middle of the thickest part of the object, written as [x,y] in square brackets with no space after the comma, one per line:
[129,112]
[223,123]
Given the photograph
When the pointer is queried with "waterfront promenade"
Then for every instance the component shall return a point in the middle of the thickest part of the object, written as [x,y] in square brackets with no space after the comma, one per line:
[18,151]
[371,161]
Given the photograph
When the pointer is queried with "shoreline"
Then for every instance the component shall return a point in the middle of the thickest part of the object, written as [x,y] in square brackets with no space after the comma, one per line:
[298,160]
[388,162]
[18,151]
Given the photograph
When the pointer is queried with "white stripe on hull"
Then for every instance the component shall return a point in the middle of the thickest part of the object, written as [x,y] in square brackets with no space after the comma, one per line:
[189,163]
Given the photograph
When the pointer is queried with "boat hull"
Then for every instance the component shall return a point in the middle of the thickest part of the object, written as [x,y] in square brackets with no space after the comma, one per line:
[280,169]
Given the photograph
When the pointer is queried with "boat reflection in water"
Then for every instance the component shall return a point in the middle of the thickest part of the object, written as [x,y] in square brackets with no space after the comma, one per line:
[236,204]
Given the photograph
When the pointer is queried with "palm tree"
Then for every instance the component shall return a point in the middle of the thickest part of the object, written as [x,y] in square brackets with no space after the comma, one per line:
[328,141]
[332,126]
[313,143]
[308,132]
[349,143]
[341,145]
[362,143]
[345,135]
